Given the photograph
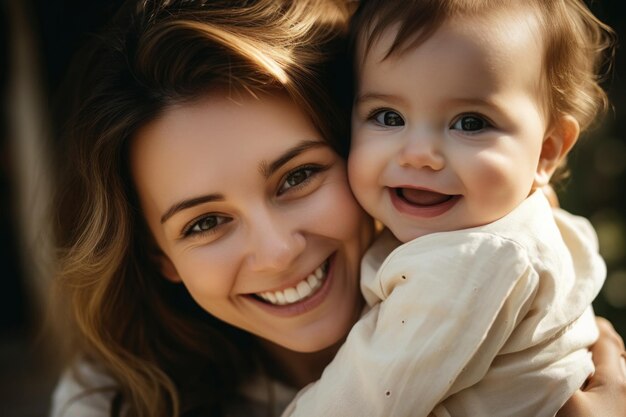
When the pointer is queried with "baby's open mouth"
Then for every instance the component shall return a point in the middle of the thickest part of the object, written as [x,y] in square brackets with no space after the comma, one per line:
[423,198]
[301,291]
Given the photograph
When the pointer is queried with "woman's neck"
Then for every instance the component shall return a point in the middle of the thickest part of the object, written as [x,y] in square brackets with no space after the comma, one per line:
[298,369]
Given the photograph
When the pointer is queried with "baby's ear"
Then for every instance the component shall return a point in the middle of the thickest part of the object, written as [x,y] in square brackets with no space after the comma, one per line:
[556,145]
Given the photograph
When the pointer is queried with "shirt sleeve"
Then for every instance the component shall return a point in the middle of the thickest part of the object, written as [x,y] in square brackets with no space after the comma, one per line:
[445,298]
[83,390]
[536,381]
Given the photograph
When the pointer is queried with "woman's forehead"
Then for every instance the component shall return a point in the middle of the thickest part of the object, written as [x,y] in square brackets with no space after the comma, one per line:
[219,137]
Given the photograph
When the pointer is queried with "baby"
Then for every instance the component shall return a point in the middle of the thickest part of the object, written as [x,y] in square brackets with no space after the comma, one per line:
[463,112]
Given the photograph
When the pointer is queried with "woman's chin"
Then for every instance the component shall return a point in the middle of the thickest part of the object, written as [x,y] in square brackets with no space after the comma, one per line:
[316,344]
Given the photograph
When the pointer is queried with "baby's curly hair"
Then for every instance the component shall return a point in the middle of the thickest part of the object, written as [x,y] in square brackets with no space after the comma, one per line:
[578,53]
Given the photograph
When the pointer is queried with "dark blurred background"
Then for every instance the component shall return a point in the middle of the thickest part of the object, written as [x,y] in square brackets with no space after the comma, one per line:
[37,40]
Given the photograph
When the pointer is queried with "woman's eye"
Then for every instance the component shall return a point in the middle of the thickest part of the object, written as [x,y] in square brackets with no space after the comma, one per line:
[388,118]
[298,177]
[205,224]
[470,123]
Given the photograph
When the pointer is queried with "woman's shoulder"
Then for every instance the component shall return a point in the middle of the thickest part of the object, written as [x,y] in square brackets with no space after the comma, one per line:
[262,395]
[84,389]
[87,389]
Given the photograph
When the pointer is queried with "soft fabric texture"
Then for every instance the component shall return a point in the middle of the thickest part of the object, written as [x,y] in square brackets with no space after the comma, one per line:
[489,321]
[83,390]
[87,390]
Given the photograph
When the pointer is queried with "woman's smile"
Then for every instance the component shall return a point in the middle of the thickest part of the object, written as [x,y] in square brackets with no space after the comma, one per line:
[304,289]
[318,286]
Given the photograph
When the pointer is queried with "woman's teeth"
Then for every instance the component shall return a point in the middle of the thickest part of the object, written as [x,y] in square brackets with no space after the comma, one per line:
[302,290]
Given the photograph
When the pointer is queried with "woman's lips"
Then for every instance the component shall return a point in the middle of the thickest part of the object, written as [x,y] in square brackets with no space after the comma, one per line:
[303,304]
[421,202]
[303,289]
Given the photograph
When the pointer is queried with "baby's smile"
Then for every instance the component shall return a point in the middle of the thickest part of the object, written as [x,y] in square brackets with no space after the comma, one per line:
[422,197]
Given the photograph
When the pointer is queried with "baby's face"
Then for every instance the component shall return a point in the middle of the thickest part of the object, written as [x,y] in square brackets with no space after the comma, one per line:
[448,135]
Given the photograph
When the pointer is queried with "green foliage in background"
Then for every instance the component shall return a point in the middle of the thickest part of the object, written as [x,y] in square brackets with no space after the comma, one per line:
[596,188]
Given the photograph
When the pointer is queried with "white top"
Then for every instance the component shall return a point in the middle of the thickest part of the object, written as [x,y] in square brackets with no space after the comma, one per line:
[489,321]
[83,390]
[86,390]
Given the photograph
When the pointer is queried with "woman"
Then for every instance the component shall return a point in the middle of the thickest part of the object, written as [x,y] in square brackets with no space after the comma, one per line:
[209,243]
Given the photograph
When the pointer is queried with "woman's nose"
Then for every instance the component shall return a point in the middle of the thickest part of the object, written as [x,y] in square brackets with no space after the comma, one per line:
[421,151]
[275,243]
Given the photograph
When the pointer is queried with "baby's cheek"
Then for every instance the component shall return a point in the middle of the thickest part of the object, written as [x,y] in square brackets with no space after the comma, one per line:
[499,187]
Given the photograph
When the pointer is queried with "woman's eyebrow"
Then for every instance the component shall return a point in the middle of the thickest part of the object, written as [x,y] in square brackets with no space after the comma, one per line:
[268,169]
[185,204]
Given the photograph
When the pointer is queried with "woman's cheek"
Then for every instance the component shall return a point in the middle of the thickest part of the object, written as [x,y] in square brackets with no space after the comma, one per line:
[335,211]
[365,165]
[209,271]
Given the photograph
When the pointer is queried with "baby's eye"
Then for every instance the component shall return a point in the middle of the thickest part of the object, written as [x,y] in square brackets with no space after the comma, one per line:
[388,118]
[297,177]
[470,123]
[205,224]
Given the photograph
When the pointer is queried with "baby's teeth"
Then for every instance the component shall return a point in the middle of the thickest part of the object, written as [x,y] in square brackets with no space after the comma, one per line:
[291,295]
[304,289]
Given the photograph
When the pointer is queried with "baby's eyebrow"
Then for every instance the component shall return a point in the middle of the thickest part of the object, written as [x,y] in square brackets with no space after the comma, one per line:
[473,101]
[374,96]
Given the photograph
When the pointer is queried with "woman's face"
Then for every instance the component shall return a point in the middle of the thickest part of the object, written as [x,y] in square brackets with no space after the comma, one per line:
[252,211]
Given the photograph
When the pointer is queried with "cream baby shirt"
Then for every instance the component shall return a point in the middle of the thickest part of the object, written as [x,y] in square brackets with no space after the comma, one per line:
[489,321]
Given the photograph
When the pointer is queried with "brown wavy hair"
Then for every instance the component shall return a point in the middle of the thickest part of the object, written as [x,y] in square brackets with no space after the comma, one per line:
[578,48]
[168,356]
